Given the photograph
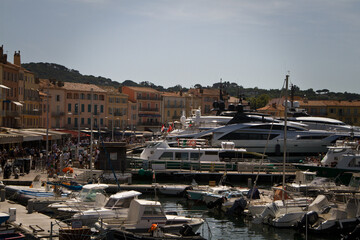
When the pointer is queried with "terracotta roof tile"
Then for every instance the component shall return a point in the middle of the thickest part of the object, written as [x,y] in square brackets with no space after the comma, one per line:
[143,89]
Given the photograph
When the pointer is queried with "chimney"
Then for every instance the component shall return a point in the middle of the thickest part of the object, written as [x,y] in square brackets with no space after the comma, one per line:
[1,51]
[17,61]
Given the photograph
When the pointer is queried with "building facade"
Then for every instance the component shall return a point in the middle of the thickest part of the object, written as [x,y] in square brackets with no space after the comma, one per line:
[148,102]
[172,107]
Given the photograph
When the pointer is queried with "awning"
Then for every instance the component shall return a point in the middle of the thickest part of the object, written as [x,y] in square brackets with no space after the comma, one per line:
[74,134]
[6,139]
[3,86]
[17,103]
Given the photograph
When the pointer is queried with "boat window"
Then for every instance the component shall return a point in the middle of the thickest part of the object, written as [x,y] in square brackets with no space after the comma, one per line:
[211,152]
[166,156]
[124,203]
[312,137]
[181,156]
[195,156]
[153,211]
[84,192]
[277,127]
[110,203]
[247,136]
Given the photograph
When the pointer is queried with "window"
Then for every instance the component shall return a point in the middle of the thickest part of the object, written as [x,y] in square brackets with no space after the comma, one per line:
[75,122]
[89,107]
[89,121]
[181,156]
[95,97]
[166,156]
[82,121]
[69,107]
[82,107]
[195,156]
[69,121]
[76,108]
[101,121]
[58,98]
[76,96]
[101,97]
[82,96]
[89,96]
[69,96]
[95,109]
[101,108]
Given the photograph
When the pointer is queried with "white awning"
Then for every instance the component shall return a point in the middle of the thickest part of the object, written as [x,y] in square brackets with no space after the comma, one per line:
[3,86]
[17,103]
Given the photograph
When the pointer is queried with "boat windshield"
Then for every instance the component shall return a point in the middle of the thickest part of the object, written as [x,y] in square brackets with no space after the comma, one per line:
[89,195]
[153,211]
[118,203]
[153,145]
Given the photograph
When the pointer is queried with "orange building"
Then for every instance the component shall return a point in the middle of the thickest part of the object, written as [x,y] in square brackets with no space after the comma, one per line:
[148,102]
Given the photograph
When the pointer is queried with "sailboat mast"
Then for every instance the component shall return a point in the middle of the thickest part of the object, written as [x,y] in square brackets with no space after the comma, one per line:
[285,130]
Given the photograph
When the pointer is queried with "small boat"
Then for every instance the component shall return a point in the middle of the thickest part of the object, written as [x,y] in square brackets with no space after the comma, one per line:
[144,215]
[87,198]
[288,216]
[116,206]
[4,217]
[340,218]
[308,183]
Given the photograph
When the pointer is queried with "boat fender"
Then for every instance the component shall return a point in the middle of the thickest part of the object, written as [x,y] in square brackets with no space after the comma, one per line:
[153,227]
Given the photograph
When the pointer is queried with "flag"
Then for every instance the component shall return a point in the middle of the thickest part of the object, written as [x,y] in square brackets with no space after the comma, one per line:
[162,128]
[169,129]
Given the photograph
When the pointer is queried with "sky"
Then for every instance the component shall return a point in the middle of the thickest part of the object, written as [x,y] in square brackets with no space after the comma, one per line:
[253,43]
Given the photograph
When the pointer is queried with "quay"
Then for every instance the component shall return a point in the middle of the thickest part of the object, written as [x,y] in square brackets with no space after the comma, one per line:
[34,225]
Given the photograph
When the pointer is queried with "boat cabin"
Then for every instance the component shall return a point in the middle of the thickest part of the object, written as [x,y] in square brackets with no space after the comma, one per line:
[121,199]
[143,213]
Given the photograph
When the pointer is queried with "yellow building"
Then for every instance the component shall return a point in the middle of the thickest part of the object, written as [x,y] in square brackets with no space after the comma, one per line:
[173,104]
[116,108]
[346,111]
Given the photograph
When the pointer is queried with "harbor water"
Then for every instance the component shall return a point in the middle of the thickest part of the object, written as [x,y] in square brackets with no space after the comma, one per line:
[219,226]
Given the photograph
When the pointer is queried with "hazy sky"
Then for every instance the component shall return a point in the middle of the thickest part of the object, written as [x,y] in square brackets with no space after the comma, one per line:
[168,42]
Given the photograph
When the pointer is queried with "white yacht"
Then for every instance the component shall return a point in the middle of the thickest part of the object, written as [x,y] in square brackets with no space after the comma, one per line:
[195,150]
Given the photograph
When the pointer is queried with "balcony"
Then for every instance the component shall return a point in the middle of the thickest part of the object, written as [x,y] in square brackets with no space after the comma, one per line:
[176,117]
[57,114]
[32,113]
[148,124]
[149,109]
[147,98]
[174,106]
[11,113]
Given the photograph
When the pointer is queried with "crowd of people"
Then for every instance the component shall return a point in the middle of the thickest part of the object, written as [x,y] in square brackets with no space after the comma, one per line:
[60,156]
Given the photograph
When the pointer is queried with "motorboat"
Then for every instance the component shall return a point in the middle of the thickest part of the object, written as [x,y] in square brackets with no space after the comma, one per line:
[309,184]
[340,218]
[342,157]
[289,216]
[90,196]
[116,206]
[143,214]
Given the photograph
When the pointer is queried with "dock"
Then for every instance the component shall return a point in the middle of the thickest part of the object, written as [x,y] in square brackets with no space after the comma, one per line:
[34,225]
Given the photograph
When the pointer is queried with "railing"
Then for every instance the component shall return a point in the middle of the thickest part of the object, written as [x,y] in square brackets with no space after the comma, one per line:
[149,109]
[248,166]
[33,113]
[147,98]
[11,113]
[174,106]
[57,114]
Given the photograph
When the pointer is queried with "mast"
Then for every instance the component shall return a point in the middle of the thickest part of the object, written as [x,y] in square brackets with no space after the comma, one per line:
[285,132]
